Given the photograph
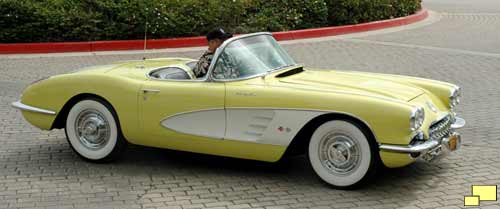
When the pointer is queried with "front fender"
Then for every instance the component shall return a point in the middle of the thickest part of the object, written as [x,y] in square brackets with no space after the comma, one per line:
[55,92]
[42,94]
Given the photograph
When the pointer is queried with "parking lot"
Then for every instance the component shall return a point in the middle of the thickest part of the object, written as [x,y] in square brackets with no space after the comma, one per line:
[459,43]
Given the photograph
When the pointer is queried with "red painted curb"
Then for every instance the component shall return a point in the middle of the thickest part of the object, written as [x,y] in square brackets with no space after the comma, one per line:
[92,46]
[340,30]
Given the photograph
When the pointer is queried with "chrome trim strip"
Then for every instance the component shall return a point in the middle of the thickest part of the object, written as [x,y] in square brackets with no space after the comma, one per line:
[21,106]
[274,108]
[192,111]
[459,123]
[410,149]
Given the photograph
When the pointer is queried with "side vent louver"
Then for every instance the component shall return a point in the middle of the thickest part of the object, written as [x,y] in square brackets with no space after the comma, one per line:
[259,124]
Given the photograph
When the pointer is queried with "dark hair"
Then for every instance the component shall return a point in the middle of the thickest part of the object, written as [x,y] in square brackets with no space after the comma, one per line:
[218,33]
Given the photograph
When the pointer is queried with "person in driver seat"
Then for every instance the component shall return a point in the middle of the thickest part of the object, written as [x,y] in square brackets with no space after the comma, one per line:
[215,38]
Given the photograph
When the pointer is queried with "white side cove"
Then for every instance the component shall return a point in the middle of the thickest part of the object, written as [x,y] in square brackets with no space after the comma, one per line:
[247,124]
[206,123]
[265,126]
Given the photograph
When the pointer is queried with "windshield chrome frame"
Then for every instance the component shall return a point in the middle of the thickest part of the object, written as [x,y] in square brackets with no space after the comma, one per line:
[221,49]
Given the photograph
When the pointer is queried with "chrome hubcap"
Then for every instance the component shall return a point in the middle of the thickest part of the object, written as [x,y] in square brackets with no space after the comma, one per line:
[92,129]
[339,153]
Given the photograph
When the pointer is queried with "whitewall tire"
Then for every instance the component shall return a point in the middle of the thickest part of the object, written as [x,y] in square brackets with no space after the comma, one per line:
[342,154]
[93,131]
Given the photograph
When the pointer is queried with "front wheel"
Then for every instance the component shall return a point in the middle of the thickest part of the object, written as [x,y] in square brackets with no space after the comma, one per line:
[93,131]
[342,154]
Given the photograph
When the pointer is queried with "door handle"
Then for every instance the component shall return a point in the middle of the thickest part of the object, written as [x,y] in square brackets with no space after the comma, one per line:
[151,91]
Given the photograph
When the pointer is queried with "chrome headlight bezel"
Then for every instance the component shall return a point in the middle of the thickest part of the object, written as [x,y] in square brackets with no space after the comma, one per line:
[455,95]
[417,117]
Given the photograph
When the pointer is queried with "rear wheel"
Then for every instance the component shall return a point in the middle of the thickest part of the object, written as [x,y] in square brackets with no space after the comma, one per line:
[342,155]
[93,131]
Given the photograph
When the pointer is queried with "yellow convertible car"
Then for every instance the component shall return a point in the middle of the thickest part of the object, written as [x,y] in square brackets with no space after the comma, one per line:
[255,103]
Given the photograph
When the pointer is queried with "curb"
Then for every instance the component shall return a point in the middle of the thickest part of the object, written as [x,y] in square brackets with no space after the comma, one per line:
[93,46]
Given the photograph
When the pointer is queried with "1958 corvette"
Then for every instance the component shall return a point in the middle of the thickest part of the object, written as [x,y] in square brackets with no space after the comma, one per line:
[347,123]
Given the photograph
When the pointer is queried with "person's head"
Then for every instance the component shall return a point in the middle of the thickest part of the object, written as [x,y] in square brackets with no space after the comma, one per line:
[216,37]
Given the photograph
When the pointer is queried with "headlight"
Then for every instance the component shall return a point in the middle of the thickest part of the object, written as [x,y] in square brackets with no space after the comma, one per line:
[417,118]
[455,97]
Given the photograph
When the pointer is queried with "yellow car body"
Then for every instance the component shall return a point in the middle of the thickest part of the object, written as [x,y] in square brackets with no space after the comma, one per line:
[286,104]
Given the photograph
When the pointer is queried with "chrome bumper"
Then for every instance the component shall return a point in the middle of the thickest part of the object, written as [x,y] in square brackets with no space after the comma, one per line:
[430,150]
[459,123]
[21,106]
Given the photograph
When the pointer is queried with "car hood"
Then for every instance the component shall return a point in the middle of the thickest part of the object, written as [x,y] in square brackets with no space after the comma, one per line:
[355,82]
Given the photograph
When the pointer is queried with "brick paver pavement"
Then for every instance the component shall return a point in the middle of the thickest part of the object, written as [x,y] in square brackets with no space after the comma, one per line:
[39,170]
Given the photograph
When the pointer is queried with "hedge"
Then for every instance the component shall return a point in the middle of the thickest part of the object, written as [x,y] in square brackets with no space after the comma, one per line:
[90,20]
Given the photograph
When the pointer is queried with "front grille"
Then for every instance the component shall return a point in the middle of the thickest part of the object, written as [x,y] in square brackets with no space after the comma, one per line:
[441,128]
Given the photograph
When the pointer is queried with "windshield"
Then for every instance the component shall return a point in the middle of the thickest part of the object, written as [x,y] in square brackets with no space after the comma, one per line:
[250,56]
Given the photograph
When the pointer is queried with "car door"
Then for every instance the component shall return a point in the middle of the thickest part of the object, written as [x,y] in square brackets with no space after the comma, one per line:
[174,110]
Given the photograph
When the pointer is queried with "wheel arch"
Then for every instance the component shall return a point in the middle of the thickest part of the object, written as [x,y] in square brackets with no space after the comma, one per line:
[299,143]
[60,120]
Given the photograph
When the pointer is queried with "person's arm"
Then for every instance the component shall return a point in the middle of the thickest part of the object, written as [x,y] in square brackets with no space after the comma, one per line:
[201,68]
